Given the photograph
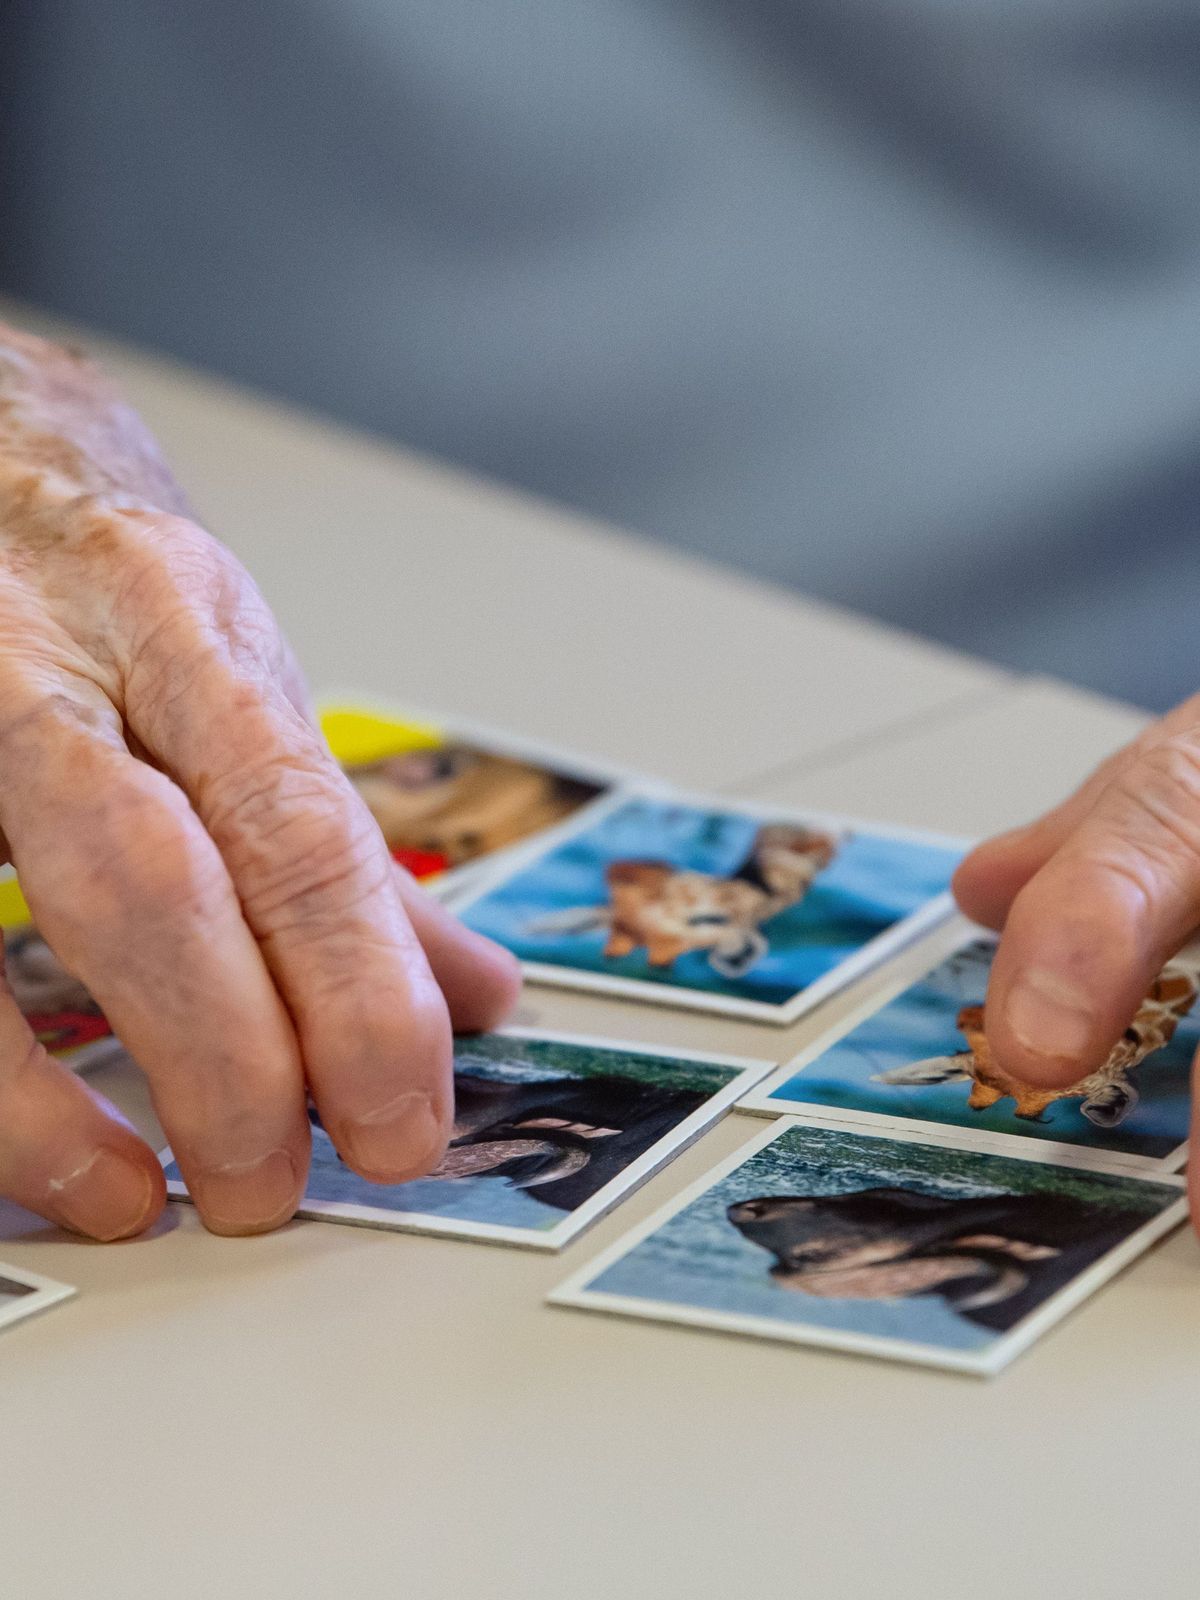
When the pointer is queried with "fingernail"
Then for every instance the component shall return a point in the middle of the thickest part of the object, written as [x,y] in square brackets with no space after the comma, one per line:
[404,1136]
[107,1198]
[247,1196]
[1049,1016]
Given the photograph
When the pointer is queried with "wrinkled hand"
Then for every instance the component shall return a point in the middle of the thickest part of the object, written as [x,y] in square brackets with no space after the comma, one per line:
[1094,899]
[192,853]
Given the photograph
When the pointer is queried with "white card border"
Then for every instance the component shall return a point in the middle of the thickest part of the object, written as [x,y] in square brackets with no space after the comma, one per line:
[747,1071]
[886,944]
[948,940]
[47,1292]
[574,1292]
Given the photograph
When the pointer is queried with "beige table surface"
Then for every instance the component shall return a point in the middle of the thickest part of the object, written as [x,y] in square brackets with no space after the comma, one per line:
[333,1411]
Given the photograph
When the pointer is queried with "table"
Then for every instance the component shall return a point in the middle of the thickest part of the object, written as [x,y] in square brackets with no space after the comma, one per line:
[332,1411]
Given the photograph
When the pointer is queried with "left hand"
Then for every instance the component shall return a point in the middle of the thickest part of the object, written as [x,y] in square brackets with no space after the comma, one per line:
[192,853]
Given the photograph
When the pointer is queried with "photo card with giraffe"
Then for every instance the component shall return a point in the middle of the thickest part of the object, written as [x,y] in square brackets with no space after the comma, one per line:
[913,1056]
[550,1131]
[748,910]
[916,1247]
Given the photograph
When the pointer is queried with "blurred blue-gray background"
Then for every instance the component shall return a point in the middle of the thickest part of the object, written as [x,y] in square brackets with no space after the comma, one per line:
[896,301]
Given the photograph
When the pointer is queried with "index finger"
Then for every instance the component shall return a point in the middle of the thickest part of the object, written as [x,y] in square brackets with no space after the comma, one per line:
[318,889]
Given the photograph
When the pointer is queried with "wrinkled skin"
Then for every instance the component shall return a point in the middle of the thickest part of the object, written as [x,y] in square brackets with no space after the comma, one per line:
[192,853]
[1094,899]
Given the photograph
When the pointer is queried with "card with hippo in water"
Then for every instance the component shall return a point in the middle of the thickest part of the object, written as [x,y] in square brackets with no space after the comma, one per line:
[749,911]
[916,1248]
[550,1131]
[914,1055]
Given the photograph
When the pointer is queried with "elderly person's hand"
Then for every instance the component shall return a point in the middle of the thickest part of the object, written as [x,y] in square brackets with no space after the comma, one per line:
[1093,899]
[192,853]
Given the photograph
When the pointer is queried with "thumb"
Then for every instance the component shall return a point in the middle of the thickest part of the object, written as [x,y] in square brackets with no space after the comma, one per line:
[1094,925]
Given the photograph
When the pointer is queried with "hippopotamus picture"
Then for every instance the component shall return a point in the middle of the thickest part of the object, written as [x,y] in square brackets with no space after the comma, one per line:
[992,1258]
[559,1141]
[941,1253]
[549,1130]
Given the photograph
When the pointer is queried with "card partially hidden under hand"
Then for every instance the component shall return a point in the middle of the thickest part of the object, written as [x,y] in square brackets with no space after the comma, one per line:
[23,1294]
[916,1248]
[59,1010]
[914,1056]
[550,1131]
[450,795]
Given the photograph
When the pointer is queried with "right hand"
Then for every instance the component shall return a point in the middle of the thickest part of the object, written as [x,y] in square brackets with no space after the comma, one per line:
[1094,899]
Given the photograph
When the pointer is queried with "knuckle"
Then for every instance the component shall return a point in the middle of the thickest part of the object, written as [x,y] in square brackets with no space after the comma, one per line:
[188,605]
[1131,879]
[20,1067]
[1164,787]
[297,843]
[40,720]
[114,542]
[1136,859]
[161,545]
[133,859]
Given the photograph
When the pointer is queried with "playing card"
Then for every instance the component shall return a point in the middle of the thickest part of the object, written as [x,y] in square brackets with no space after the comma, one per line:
[449,795]
[550,1131]
[914,1055]
[23,1294]
[919,1249]
[58,1008]
[746,910]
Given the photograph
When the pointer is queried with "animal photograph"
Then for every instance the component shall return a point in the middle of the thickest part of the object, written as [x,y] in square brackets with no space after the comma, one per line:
[60,1011]
[688,900]
[923,1057]
[544,1125]
[443,801]
[826,1231]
